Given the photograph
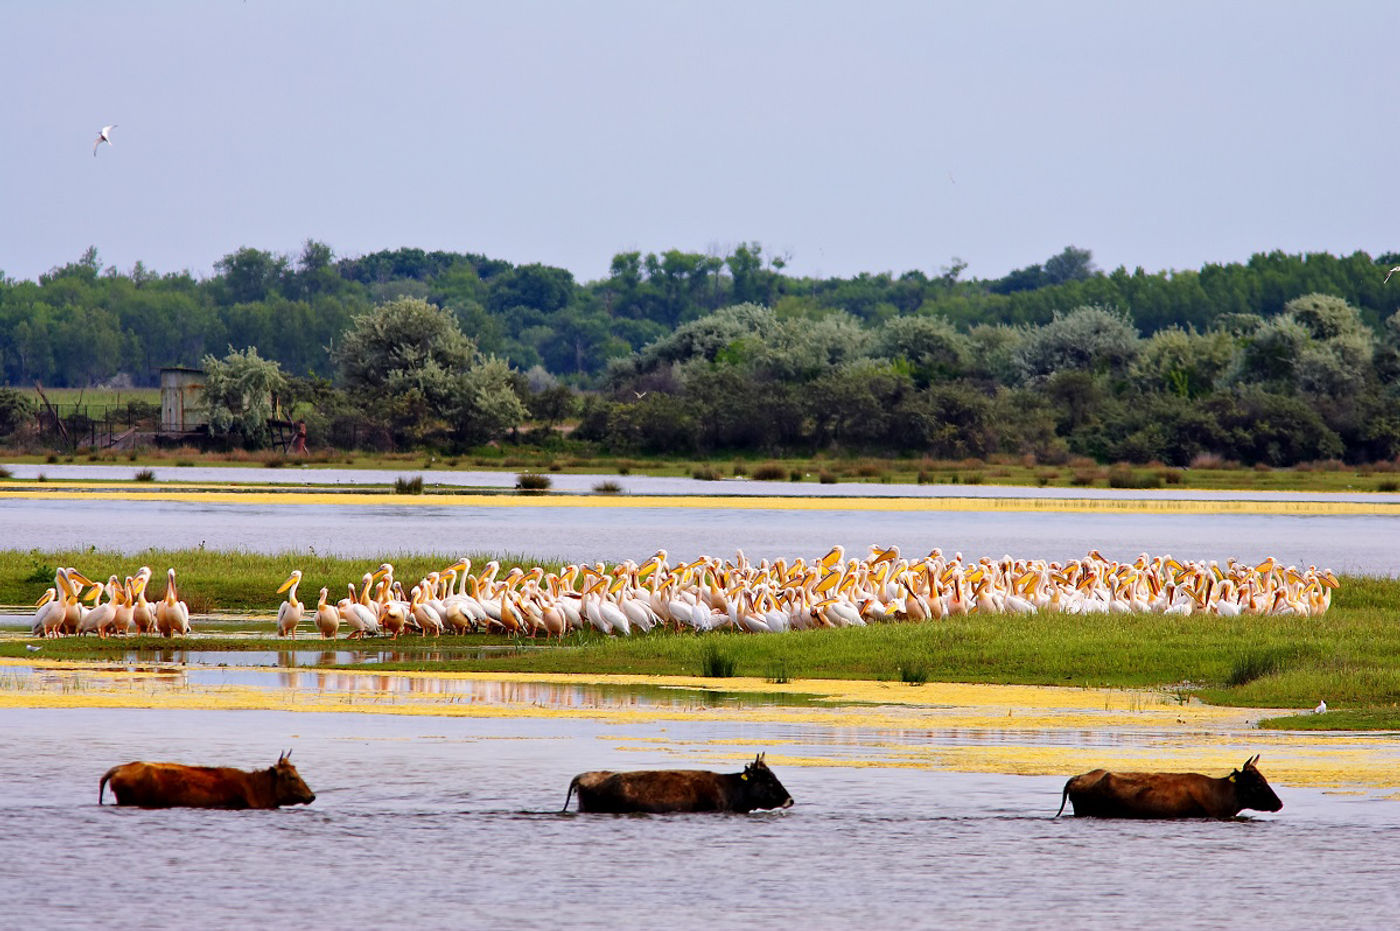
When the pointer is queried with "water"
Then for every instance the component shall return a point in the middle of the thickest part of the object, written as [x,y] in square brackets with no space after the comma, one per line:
[1364,545]
[648,484]
[438,822]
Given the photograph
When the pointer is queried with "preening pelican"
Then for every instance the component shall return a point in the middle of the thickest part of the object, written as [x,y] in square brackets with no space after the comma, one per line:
[289,614]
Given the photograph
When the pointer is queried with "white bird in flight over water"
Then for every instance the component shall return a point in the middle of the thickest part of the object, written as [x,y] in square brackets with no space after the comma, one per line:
[1389,273]
[102,137]
[1321,707]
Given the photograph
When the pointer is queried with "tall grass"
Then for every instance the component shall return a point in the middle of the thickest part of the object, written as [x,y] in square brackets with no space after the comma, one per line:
[715,663]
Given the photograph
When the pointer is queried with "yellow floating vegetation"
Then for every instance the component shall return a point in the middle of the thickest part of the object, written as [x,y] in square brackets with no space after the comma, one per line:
[1025,730]
[225,494]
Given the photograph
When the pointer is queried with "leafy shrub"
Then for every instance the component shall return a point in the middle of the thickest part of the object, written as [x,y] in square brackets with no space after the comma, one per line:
[769,472]
[408,486]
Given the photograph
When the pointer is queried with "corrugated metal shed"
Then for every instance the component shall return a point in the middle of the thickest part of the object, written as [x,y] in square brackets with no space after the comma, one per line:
[182,399]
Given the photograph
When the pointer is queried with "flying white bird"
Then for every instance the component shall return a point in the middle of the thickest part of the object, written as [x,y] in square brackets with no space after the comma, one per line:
[102,137]
[1321,707]
[1389,273]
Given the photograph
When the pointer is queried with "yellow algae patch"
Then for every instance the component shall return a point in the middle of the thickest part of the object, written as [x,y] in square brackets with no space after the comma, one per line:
[220,494]
[957,727]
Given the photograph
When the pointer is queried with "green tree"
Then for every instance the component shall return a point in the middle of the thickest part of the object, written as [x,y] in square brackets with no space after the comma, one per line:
[1090,339]
[410,366]
[238,394]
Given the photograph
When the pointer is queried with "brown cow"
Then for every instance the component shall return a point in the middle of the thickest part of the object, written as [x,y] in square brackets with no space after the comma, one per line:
[679,790]
[172,785]
[1102,794]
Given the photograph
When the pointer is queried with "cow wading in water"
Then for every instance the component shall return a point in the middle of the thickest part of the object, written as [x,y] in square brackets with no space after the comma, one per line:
[679,790]
[1102,794]
[173,785]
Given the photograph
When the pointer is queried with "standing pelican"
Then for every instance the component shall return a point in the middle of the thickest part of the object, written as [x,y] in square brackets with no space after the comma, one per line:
[103,137]
[50,613]
[172,614]
[143,613]
[289,615]
[327,617]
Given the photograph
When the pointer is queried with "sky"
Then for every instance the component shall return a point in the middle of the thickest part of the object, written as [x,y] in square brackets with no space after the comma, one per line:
[845,137]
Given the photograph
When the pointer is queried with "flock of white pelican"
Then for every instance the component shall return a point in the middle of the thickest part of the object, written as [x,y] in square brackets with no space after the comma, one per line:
[713,594]
[770,597]
[61,610]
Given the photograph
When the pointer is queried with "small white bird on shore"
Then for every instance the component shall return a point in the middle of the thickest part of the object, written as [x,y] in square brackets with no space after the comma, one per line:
[103,137]
[1389,273]
[32,648]
[1321,707]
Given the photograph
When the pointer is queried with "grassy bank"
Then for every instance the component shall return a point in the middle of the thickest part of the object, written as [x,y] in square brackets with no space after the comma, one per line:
[1347,657]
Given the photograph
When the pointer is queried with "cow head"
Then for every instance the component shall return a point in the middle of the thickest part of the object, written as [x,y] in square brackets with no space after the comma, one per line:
[288,787]
[761,788]
[1252,790]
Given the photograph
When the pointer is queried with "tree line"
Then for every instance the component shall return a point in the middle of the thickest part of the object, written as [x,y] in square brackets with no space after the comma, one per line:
[1281,359]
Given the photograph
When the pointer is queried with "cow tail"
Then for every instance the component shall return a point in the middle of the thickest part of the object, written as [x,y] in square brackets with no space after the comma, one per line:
[101,786]
[1064,796]
[573,783]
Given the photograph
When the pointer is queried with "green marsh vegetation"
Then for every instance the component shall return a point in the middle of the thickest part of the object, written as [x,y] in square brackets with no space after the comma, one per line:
[1347,657]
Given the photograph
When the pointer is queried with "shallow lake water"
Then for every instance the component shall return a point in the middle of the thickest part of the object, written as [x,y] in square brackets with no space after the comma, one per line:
[1365,545]
[431,822]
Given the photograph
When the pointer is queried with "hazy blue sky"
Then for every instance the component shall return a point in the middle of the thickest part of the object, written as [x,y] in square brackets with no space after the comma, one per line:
[860,136]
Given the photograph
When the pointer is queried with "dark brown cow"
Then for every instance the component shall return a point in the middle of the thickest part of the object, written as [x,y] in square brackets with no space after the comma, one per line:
[1102,794]
[173,785]
[679,790]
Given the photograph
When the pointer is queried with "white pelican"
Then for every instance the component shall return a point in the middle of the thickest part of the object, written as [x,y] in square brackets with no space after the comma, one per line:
[361,618]
[172,614]
[429,620]
[103,137]
[103,616]
[289,614]
[49,617]
[327,617]
[143,614]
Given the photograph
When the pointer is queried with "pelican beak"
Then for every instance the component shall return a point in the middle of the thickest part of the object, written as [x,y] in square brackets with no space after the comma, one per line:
[288,584]
[79,577]
[45,598]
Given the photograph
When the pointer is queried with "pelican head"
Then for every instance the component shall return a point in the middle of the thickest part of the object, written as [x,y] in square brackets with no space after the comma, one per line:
[292,580]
